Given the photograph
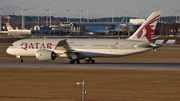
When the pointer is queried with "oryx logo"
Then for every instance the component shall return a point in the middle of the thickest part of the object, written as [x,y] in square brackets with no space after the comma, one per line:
[147,29]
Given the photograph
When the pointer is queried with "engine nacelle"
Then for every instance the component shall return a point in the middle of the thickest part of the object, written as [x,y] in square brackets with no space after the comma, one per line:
[44,55]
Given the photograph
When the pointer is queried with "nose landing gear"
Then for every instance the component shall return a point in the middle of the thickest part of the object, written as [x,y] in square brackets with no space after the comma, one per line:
[20,59]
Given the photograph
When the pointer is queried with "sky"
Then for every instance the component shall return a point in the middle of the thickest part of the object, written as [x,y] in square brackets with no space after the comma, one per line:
[97,8]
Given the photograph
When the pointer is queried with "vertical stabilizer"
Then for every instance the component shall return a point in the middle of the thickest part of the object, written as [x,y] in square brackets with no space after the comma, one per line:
[146,30]
[17,28]
[8,26]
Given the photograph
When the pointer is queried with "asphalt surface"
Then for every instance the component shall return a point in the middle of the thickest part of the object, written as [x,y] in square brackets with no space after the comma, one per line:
[97,65]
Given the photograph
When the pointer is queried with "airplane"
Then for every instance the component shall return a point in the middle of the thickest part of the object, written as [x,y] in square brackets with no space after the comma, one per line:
[80,49]
[17,31]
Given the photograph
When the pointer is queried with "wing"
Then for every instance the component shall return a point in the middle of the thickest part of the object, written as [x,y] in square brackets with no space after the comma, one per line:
[64,47]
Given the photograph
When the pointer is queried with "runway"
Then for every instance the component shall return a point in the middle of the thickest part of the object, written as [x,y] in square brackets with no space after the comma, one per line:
[98,65]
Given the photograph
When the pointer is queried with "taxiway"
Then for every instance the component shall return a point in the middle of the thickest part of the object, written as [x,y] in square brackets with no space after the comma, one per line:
[98,65]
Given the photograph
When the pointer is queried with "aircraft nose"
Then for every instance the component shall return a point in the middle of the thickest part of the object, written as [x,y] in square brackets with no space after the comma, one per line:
[8,50]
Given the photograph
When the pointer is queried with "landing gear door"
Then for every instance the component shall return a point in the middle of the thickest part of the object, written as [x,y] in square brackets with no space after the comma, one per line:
[89,45]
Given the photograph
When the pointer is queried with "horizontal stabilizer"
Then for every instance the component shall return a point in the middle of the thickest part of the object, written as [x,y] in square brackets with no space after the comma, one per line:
[171,41]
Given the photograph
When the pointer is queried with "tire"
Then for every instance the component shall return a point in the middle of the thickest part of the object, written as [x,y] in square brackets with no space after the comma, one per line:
[92,61]
[87,61]
[72,61]
[21,60]
[77,62]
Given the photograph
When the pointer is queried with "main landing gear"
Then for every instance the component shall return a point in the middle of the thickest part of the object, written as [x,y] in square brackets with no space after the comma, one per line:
[74,61]
[90,60]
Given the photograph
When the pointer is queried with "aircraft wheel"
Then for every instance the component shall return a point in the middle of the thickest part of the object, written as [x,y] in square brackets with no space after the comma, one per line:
[72,61]
[86,61]
[21,60]
[77,62]
[92,61]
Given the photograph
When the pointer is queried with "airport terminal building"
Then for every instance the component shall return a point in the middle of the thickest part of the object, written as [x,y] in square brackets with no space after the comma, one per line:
[96,28]
[87,29]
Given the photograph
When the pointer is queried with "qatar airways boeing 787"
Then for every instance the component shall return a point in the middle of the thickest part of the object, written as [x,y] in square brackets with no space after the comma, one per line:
[79,49]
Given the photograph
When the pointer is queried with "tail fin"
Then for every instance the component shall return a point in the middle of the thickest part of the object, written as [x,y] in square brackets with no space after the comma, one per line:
[146,30]
[17,28]
[8,26]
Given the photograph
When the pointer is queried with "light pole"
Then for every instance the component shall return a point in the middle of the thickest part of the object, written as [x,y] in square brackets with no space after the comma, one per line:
[47,16]
[87,5]
[155,10]
[112,13]
[179,16]
[126,15]
[154,7]
[67,10]
[136,11]
[0,18]
[141,14]
[23,9]
[80,10]
[38,21]
[84,92]
[176,16]
[50,13]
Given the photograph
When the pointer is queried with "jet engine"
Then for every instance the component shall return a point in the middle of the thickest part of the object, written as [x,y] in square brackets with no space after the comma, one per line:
[44,55]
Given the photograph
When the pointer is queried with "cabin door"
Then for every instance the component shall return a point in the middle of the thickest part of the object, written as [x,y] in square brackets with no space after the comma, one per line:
[121,45]
[89,45]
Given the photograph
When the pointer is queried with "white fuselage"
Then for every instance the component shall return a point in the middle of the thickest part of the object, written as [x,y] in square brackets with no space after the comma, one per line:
[87,47]
[19,32]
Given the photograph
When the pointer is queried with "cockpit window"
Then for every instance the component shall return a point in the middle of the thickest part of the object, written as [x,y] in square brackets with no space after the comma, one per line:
[11,44]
